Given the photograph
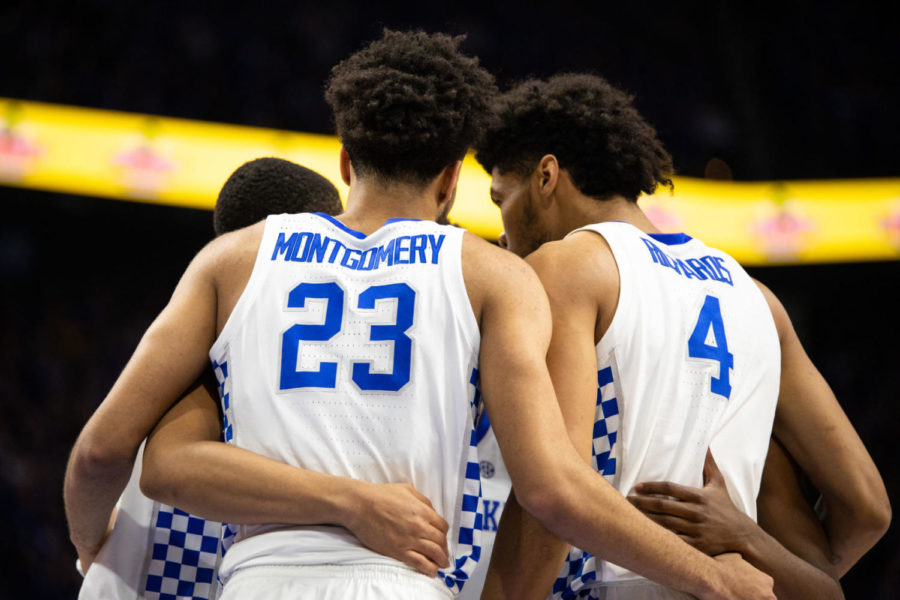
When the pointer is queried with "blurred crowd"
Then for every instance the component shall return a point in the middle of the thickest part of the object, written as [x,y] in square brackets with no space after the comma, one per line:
[804,91]
[82,280]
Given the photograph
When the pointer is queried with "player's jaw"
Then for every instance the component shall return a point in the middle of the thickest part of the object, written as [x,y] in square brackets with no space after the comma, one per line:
[524,230]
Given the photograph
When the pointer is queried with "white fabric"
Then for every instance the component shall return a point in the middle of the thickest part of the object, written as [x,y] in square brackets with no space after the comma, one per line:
[332,583]
[668,413]
[418,434]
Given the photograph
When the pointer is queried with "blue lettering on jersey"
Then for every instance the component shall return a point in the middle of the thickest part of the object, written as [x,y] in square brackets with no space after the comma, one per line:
[490,513]
[314,247]
[705,267]
[284,247]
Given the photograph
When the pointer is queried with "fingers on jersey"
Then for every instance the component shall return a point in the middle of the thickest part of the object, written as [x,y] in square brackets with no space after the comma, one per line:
[684,518]
[400,522]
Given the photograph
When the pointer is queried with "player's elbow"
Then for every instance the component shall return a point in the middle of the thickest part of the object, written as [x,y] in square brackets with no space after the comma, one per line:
[95,458]
[160,478]
[876,516]
[870,510]
[547,501]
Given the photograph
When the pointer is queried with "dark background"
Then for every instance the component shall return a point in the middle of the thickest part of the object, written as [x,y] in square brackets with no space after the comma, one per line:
[783,91]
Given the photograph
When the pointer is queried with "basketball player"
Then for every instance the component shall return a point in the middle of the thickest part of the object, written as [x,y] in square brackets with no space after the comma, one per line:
[662,347]
[348,345]
[155,549]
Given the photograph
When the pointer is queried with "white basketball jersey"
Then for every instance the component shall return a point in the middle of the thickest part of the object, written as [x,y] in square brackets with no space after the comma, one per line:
[154,552]
[354,355]
[690,361]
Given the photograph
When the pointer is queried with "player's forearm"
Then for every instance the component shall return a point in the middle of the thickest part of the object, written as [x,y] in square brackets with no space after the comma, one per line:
[526,558]
[221,482]
[858,511]
[93,482]
[794,577]
[624,535]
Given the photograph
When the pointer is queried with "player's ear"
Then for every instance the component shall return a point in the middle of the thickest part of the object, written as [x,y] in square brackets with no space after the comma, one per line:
[346,167]
[449,177]
[547,174]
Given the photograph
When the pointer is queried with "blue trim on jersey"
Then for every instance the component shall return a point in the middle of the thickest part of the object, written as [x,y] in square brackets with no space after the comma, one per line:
[353,232]
[604,376]
[671,239]
[482,427]
[339,225]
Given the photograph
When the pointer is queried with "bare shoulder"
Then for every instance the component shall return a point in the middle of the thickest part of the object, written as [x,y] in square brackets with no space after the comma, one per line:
[578,268]
[231,251]
[235,245]
[493,274]
[219,272]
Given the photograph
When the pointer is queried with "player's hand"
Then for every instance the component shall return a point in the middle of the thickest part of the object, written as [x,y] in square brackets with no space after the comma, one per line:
[398,521]
[86,558]
[706,518]
[742,581]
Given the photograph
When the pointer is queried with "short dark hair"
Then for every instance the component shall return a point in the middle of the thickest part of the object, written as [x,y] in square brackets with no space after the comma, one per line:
[409,104]
[590,126]
[269,186]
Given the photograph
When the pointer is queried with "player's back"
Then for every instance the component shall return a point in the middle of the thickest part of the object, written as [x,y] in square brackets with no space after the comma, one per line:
[691,356]
[353,355]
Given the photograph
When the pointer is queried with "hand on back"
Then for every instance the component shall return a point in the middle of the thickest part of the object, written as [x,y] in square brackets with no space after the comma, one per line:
[706,518]
[399,522]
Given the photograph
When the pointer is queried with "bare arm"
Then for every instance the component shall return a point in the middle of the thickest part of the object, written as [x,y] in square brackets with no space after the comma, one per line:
[169,358]
[707,519]
[572,365]
[186,466]
[814,430]
[550,478]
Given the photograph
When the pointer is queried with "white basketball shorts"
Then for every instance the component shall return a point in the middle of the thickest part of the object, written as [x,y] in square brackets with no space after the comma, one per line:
[333,582]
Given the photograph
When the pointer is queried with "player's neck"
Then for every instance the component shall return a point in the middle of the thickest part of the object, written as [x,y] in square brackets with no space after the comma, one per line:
[587,211]
[370,203]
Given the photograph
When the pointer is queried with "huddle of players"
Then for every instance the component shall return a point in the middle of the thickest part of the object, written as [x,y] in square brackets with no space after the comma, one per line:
[566,154]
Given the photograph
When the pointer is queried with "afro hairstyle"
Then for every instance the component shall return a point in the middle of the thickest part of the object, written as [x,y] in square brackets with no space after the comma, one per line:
[409,104]
[268,186]
[590,126]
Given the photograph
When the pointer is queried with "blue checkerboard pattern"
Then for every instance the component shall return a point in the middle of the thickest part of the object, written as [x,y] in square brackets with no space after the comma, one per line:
[472,517]
[221,371]
[580,567]
[185,557]
[578,570]
[606,426]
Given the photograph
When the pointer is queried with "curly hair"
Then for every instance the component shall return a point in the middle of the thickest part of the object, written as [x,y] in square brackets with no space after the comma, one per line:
[269,186]
[409,104]
[589,125]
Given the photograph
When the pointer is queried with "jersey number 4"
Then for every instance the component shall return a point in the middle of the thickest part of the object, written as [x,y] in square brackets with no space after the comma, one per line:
[711,318]
[326,375]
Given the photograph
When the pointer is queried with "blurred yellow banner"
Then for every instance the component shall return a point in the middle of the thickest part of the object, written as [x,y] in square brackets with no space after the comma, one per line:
[184,163]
